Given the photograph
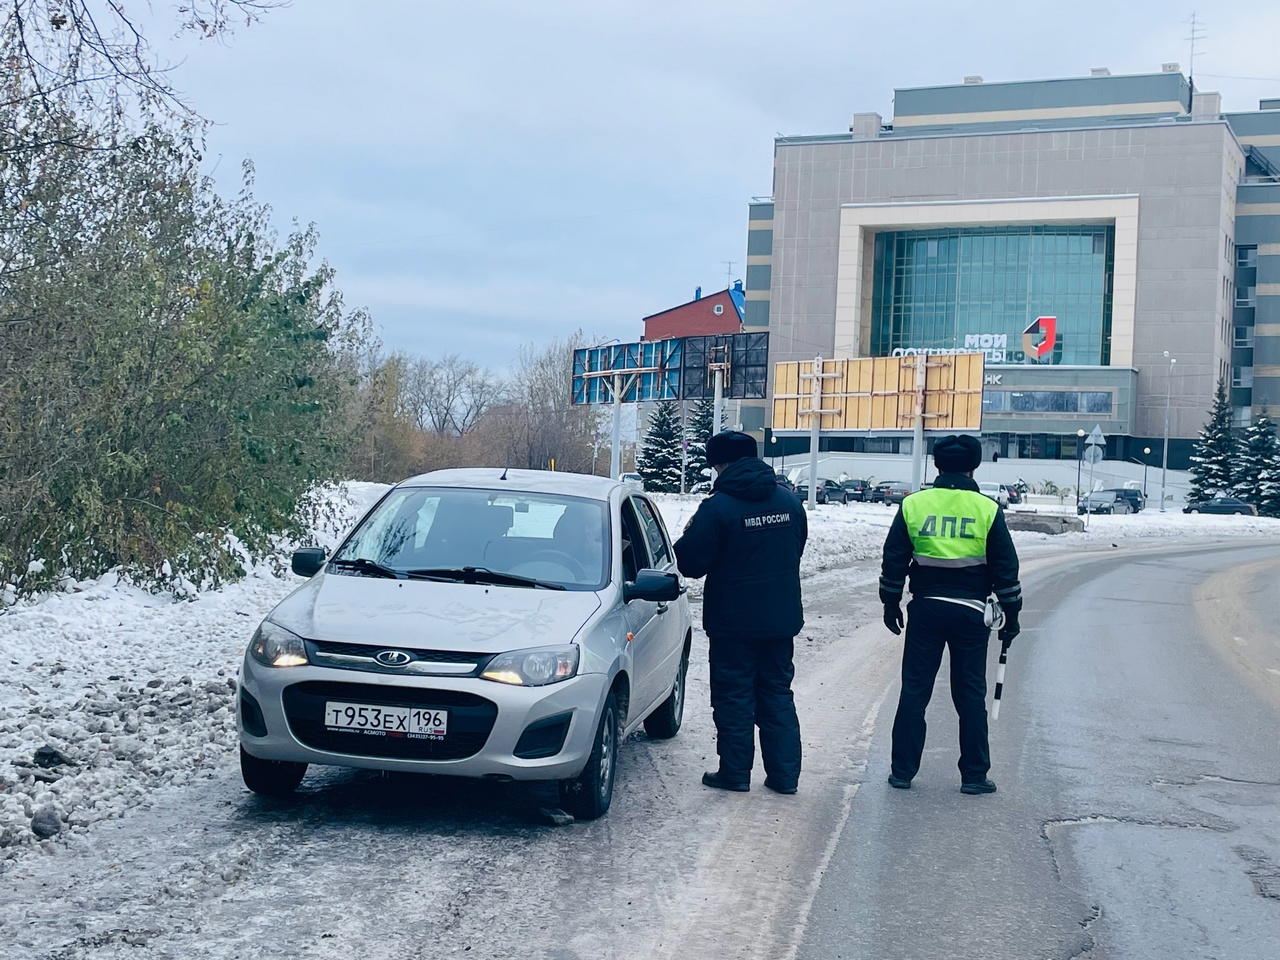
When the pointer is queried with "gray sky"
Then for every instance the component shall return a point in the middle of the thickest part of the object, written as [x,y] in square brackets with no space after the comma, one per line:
[489,173]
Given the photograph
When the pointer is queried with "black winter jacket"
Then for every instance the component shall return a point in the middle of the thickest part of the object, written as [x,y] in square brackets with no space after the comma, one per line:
[746,539]
[998,575]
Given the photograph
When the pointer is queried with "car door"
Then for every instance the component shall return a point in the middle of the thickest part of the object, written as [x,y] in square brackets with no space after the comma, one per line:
[658,660]
[646,624]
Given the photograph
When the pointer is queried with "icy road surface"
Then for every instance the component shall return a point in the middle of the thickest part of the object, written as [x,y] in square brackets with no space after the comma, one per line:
[117,745]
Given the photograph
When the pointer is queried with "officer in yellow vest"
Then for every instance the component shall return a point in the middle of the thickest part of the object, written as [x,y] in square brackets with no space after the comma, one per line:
[954,545]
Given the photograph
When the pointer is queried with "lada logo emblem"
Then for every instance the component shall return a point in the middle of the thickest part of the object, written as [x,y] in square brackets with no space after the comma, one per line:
[392,658]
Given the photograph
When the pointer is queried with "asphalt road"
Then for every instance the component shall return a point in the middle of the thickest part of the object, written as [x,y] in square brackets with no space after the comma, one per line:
[1137,816]
[1138,761]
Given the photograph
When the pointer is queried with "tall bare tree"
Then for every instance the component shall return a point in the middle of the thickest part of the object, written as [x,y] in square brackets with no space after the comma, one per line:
[94,57]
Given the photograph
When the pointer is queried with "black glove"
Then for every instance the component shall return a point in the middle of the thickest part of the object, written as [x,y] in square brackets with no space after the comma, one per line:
[1010,629]
[893,617]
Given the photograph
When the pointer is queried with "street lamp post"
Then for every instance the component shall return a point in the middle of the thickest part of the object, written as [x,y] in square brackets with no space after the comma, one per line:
[1146,452]
[1164,459]
[1079,460]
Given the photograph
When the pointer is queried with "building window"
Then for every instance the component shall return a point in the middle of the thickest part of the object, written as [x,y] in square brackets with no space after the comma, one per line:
[1242,377]
[951,287]
[1245,296]
[718,309]
[1244,337]
[1246,256]
[1090,402]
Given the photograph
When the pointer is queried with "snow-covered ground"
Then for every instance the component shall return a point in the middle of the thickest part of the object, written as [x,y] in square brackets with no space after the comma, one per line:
[110,692]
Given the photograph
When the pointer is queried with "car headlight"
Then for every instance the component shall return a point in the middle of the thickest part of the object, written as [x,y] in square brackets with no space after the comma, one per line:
[274,646]
[534,668]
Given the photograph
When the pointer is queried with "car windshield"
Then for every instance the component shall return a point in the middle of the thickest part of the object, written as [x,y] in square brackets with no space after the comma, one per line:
[488,536]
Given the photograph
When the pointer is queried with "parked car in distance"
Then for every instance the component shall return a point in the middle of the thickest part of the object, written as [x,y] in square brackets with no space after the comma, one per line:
[879,488]
[1222,505]
[504,624]
[1012,494]
[995,491]
[828,492]
[633,480]
[1103,501]
[783,481]
[859,490]
[1136,500]
[897,491]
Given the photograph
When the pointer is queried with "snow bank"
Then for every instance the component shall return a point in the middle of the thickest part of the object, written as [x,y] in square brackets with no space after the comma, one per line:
[111,692]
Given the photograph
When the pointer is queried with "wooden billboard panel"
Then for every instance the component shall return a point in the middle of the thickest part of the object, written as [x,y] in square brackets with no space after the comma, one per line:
[878,394]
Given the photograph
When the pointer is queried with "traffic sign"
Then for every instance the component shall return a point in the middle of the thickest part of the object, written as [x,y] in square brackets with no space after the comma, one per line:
[1096,438]
[1093,454]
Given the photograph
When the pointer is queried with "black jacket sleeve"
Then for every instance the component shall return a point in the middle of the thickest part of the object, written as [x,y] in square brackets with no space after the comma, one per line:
[898,552]
[801,528]
[697,548]
[1002,563]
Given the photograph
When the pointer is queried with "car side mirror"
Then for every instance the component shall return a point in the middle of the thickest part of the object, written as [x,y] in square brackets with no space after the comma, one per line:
[656,585]
[308,561]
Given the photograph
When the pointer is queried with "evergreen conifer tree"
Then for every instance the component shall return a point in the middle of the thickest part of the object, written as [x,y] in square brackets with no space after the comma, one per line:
[1213,456]
[659,459]
[698,432]
[1258,466]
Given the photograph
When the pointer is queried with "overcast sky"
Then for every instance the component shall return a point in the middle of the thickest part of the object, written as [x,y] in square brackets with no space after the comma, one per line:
[489,173]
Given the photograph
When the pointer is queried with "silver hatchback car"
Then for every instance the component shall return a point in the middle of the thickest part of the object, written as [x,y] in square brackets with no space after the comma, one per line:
[513,625]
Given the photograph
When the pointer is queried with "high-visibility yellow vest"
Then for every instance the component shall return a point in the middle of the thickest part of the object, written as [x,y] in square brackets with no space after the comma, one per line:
[949,527]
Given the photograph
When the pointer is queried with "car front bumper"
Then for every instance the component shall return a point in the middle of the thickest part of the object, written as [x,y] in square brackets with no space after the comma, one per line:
[279,714]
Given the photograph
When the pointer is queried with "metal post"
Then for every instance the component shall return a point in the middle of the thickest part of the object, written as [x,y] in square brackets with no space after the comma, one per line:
[615,455]
[1164,458]
[684,448]
[917,434]
[1079,461]
[717,404]
[815,428]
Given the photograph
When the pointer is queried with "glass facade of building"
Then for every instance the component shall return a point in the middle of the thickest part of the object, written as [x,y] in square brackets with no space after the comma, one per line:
[935,288]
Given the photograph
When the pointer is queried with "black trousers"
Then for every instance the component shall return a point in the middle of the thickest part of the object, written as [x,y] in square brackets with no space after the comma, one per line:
[932,625]
[751,687]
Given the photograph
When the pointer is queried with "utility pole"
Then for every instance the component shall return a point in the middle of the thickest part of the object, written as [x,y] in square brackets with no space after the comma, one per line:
[917,433]
[815,413]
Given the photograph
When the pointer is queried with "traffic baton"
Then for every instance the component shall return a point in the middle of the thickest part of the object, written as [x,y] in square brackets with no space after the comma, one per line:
[993,617]
[1004,658]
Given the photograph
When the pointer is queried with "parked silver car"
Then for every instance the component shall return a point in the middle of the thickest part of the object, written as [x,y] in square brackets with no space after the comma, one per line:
[513,625]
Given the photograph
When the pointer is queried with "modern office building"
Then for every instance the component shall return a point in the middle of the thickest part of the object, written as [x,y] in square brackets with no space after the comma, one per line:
[1084,233]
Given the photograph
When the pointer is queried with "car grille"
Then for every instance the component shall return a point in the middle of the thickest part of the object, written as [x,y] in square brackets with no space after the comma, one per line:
[360,656]
[471,720]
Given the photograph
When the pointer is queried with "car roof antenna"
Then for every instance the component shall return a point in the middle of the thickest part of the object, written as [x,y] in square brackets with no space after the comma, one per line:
[504,471]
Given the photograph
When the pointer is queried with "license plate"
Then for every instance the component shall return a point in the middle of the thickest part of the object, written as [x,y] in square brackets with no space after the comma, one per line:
[419,723]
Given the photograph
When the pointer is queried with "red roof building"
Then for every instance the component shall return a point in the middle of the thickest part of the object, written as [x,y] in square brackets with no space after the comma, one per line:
[701,317]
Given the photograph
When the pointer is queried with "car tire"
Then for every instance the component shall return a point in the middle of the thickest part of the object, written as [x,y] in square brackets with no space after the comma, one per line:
[664,722]
[588,795]
[270,778]
[1238,513]
[1195,509]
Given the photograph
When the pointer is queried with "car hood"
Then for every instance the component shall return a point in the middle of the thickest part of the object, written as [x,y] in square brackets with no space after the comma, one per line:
[425,615]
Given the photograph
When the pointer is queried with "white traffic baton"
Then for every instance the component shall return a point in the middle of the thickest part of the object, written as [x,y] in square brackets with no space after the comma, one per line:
[993,616]
[995,702]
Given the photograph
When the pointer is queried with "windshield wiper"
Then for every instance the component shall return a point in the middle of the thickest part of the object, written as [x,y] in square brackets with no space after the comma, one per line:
[483,575]
[368,566]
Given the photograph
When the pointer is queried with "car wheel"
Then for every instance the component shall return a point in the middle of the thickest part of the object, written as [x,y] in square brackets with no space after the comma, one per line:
[271,778]
[1195,509]
[589,794]
[1238,513]
[664,722]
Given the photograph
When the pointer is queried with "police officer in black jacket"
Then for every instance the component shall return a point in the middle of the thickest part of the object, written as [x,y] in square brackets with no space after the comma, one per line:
[954,544]
[746,539]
